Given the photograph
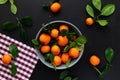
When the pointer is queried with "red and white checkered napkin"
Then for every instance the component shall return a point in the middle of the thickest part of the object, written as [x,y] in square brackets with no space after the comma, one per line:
[25,62]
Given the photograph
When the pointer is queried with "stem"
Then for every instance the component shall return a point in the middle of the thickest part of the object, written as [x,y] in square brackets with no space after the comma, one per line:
[97,17]
[97,70]
[19,23]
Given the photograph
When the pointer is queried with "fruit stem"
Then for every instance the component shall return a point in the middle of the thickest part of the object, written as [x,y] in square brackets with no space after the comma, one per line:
[97,70]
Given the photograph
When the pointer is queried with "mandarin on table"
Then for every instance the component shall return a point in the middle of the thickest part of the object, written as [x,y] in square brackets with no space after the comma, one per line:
[57,61]
[89,21]
[63,27]
[44,38]
[65,57]
[55,7]
[54,33]
[55,49]
[94,60]
[6,59]
[45,48]
[74,52]
[62,40]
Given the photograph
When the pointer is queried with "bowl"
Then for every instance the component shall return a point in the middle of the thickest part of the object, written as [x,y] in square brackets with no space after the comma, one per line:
[63,66]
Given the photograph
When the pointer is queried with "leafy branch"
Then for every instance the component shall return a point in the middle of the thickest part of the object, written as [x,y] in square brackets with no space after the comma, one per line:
[109,55]
[10,26]
[14,51]
[107,10]
[13,7]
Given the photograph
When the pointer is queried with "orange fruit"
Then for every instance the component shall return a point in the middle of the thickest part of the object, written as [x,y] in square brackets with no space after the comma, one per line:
[55,49]
[62,40]
[74,52]
[63,27]
[65,57]
[55,7]
[94,60]
[89,21]
[54,33]
[44,38]
[7,58]
[57,61]
[45,49]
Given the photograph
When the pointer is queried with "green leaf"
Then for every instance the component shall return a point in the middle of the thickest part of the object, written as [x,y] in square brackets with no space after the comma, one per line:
[102,22]
[35,42]
[64,32]
[80,48]
[108,10]
[81,39]
[109,54]
[13,9]
[23,34]
[11,1]
[47,57]
[13,50]
[63,75]
[68,63]
[77,43]
[68,78]
[104,72]
[54,67]
[51,57]
[3,1]
[66,48]
[89,10]
[26,21]
[9,26]
[97,4]
[13,69]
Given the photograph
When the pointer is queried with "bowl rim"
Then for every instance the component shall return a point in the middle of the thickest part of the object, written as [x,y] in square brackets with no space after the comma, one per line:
[41,57]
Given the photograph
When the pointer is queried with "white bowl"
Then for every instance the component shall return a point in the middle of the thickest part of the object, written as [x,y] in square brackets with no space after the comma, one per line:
[63,66]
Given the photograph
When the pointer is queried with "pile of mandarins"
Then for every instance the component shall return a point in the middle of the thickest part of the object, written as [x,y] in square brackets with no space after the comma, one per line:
[61,41]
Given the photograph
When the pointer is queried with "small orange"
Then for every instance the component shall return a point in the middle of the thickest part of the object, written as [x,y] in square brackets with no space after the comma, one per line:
[44,38]
[62,40]
[74,52]
[55,7]
[94,60]
[57,61]
[55,49]
[63,27]
[54,33]
[65,57]
[45,49]
[89,21]
[7,58]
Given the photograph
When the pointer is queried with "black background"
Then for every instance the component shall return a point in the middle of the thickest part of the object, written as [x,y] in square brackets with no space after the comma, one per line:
[99,38]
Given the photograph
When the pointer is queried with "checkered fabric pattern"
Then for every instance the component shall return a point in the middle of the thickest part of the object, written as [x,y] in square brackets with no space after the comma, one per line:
[25,62]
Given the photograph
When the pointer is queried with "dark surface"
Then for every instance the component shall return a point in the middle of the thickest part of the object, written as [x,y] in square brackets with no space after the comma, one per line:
[73,11]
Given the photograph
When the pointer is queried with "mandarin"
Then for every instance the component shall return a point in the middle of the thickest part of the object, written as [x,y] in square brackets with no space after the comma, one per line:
[74,52]
[44,38]
[55,7]
[7,58]
[94,60]
[55,49]
[57,61]
[62,40]
[45,48]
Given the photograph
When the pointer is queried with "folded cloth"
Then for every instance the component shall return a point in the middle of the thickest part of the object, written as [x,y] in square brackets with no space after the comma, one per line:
[25,62]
